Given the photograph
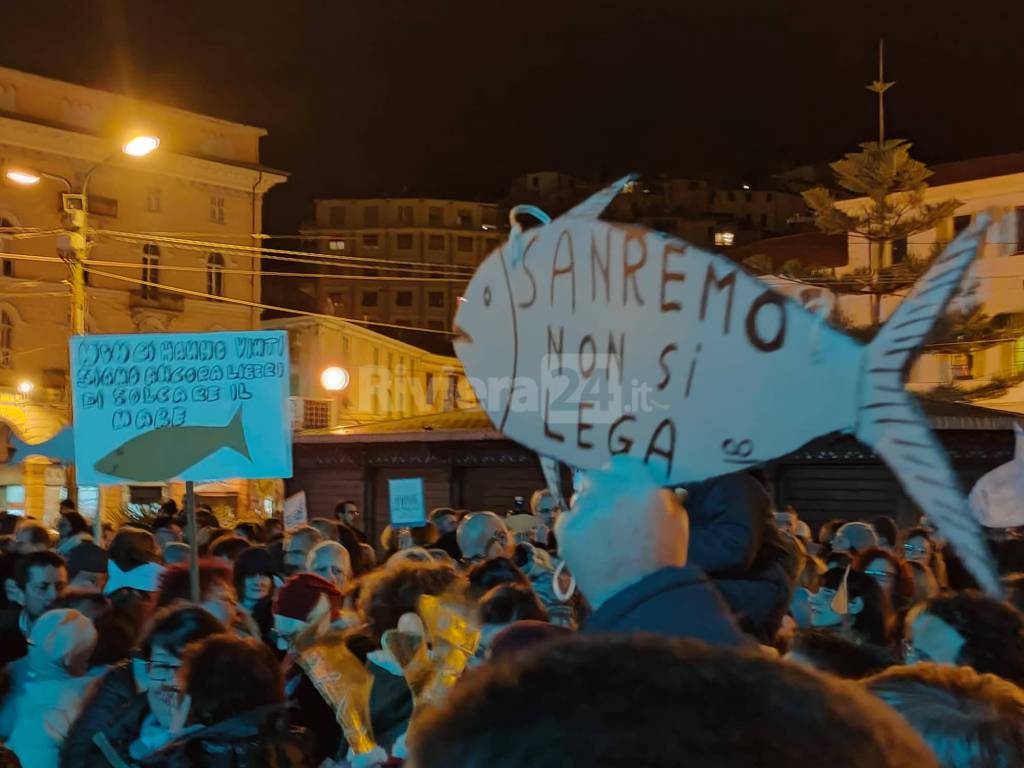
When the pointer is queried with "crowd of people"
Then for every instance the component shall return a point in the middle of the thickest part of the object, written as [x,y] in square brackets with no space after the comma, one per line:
[639,626]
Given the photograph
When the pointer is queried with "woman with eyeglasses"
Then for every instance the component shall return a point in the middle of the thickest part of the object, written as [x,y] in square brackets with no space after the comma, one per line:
[853,605]
[917,544]
[129,715]
[892,573]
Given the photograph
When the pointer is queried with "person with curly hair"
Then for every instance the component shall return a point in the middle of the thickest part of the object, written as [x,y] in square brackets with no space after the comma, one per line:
[967,629]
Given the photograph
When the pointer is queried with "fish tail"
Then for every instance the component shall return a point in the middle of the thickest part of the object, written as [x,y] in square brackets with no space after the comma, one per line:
[235,434]
[891,423]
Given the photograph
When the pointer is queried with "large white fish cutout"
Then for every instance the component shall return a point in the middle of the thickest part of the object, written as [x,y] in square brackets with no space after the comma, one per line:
[997,499]
[585,338]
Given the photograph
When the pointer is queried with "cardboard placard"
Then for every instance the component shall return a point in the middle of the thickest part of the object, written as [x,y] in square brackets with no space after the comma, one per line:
[295,512]
[190,406]
[406,502]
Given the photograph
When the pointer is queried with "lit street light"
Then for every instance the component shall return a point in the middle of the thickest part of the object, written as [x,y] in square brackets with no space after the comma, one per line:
[140,146]
[25,178]
[334,379]
[26,387]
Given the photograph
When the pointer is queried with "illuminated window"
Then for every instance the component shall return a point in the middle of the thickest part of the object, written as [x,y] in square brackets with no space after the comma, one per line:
[217,209]
[961,364]
[336,245]
[6,265]
[725,239]
[6,340]
[1018,355]
[215,274]
[150,270]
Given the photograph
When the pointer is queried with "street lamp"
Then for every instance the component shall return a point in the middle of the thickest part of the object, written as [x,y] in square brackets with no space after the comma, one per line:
[76,206]
[25,387]
[334,379]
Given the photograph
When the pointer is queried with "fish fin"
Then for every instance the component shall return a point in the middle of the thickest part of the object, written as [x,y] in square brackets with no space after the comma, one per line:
[891,423]
[594,205]
[236,435]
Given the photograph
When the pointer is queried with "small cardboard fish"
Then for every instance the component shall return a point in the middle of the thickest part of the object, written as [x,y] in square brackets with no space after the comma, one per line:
[168,451]
[585,339]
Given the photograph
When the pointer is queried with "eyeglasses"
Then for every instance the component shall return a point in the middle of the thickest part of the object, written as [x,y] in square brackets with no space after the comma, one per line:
[161,672]
[915,549]
[880,574]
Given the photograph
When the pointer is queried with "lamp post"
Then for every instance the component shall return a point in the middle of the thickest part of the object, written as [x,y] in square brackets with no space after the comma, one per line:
[76,207]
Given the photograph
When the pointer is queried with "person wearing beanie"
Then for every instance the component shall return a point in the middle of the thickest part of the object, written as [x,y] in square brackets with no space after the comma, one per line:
[37,718]
[254,584]
[87,567]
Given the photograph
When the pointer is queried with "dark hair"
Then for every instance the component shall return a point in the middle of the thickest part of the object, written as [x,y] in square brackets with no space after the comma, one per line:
[966,718]
[829,652]
[75,521]
[44,559]
[389,593]
[838,560]
[886,529]
[132,547]
[875,621]
[511,602]
[67,504]
[175,627]
[226,676]
[487,574]
[902,590]
[339,508]
[255,561]
[229,547]
[169,508]
[250,531]
[174,581]
[272,523]
[165,521]
[704,707]
[8,523]
[86,601]
[348,539]
[8,759]
[993,632]
[828,530]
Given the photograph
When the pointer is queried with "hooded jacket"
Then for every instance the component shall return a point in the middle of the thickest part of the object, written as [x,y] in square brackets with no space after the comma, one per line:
[674,602]
[115,710]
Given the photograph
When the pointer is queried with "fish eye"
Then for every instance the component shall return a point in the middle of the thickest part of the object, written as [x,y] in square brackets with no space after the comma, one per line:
[487,296]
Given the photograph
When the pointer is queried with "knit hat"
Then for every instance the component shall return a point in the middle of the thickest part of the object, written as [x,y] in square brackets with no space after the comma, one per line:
[255,560]
[86,557]
[58,637]
[297,598]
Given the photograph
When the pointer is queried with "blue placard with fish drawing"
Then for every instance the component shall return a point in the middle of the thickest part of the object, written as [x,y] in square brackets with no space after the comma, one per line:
[188,406]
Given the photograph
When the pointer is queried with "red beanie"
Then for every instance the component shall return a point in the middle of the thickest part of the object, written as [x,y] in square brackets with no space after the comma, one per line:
[297,598]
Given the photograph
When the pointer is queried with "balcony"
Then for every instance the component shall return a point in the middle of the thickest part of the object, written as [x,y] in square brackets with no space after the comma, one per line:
[154,298]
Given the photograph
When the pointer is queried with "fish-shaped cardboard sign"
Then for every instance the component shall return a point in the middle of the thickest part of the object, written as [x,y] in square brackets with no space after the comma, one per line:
[585,338]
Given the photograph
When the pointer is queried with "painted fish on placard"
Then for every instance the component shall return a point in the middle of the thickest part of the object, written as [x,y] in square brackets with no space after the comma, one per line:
[164,453]
[585,338]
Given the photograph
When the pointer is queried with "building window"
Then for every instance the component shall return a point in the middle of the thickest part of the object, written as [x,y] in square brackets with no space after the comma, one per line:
[369,298]
[153,200]
[429,386]
[371,216]
[749,197]
[217,209]
[960,365]
[436,299]
[764,219]
[465,244]
[899,250]
[1018,355]
[403,242]
[403,299]
[336,245]
[215,274]
[464,217]
[371,241]
[1020,230]
[405,215]
[337,216]
[725,239]
[731,196]
[960,223]
[435,216]
[6,340]
[316,414]
[150,270]
[6,265]
[435,242]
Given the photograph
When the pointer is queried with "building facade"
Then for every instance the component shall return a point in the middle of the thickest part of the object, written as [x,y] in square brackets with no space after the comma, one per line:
[432,247]
[384,378]
[204,183]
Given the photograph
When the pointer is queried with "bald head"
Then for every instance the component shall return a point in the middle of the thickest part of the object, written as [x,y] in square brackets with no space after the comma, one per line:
[482,535]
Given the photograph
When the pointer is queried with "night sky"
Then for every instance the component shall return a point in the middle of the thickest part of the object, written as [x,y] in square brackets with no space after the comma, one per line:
[455,97]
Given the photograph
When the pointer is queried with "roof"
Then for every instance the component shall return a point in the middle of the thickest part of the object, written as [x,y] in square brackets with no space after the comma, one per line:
[977,168]
[812,249]
[474,424]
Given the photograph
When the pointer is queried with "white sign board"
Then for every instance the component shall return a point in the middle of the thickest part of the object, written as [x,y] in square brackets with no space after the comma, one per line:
[295,513]
[406,502]
[190,406]
[585,339]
